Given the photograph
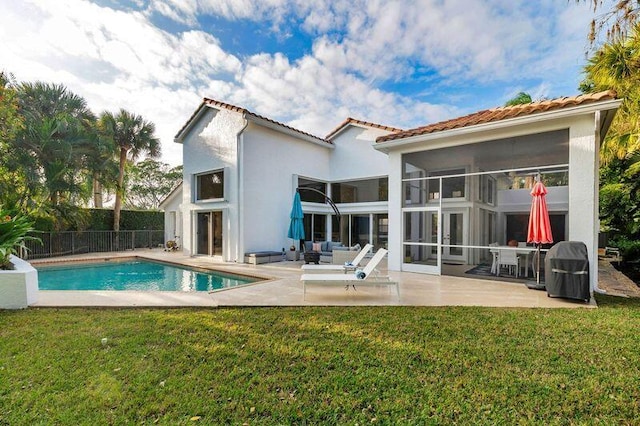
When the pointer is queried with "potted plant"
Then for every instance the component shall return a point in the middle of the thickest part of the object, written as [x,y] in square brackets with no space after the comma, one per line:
[18,279]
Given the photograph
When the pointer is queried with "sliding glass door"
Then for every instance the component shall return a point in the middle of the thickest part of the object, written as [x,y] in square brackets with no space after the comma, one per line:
[209,233]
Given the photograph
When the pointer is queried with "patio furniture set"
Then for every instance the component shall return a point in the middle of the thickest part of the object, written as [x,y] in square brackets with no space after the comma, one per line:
[513,257]
[324,252]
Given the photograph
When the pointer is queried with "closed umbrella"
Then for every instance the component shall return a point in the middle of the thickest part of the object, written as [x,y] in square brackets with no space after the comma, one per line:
[296,227]
[539,231]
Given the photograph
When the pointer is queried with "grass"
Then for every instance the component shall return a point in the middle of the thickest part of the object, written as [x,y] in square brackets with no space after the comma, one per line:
[321,365]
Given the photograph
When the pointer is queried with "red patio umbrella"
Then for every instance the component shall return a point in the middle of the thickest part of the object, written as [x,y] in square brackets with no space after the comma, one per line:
[539,227]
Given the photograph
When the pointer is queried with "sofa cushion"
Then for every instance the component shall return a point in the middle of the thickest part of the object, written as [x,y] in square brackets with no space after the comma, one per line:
[325,246]
[334,244]
[308,246]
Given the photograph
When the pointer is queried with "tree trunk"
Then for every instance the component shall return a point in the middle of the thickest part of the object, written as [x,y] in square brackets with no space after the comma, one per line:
[119,190]
[97,191]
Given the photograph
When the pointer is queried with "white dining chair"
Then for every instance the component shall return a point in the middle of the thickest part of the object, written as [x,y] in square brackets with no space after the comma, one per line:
[509,258]
[494,254]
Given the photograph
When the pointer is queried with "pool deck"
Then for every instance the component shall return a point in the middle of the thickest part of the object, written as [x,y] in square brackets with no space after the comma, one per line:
[282,287]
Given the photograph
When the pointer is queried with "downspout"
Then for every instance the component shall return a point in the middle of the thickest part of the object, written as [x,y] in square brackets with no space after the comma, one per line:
[240,182]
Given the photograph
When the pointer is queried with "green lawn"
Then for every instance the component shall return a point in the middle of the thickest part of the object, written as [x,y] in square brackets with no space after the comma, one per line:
[321,365]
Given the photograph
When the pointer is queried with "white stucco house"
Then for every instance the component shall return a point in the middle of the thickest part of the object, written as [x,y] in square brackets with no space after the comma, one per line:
[433,196]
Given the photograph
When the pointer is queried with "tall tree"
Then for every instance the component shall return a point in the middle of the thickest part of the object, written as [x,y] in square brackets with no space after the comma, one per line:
[103,170]
[57,137]
[613,18]
[148,182]
[11,181]
[616,66]
[132,137]
[519,99]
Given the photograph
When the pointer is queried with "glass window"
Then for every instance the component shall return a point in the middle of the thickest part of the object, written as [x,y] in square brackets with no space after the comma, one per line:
[319,227]
[360,191]
[380,231]
[315,227]
[486,188]
[312,195]
[210,186]
[359,229]
[453,187]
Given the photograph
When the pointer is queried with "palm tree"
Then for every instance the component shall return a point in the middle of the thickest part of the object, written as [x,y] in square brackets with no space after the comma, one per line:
[519,99]
[57,137]
[132,136]
[616,66]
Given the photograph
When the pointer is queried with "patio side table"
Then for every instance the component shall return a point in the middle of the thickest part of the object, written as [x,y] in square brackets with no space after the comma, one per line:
[293,255]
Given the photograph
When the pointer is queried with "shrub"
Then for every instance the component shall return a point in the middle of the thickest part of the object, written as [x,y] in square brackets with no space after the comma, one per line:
[629,249]
[13,234]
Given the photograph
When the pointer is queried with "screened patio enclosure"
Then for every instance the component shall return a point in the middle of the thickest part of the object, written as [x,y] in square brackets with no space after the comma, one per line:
[459,203]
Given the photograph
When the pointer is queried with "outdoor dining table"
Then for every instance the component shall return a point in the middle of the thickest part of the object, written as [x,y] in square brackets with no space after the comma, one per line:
[520,251]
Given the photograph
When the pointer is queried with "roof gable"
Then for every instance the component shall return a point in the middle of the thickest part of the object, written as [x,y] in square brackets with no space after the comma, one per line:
[208,102]
[502,113]
[176,189]
[352,121]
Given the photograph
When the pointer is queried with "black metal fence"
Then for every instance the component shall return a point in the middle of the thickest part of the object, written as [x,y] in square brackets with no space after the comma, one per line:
[67,243]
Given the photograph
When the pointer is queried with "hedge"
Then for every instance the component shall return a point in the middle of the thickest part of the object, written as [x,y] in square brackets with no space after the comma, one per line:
[130,220]
[102,220]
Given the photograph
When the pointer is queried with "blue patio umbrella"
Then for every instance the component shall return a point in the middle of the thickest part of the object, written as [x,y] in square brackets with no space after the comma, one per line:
[296,227]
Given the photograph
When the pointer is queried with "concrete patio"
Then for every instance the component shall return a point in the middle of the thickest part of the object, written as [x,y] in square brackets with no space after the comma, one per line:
[282,287]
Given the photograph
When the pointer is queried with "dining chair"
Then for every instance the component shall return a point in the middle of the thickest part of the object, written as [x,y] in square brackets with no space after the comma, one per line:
[494,254]
[508,258]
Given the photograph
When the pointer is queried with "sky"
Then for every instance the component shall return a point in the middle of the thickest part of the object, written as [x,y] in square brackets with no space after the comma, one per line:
[307,63]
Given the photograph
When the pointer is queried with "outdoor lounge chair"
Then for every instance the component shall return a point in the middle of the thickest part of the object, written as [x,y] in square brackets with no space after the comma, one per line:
[361,277]
[345,267]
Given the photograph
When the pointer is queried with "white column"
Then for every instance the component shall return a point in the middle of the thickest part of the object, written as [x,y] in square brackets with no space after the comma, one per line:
[395,211]
[583,189]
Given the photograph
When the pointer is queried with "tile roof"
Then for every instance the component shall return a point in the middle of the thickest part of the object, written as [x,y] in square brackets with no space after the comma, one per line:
[502,113]
[350,120]
[218,104]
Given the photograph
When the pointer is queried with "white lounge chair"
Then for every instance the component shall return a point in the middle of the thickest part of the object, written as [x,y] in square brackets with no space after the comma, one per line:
[346,267]
[356,278]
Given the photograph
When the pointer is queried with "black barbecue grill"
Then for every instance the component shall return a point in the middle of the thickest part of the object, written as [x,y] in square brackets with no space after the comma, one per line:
[567,271]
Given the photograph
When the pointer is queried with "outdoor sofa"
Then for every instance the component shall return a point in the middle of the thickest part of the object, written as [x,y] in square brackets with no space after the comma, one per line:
[326,249]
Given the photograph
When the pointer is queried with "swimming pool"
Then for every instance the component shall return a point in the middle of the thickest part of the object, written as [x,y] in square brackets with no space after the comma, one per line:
[134,275]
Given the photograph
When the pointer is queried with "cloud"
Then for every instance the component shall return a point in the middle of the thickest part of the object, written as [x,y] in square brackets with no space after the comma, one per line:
[117,58]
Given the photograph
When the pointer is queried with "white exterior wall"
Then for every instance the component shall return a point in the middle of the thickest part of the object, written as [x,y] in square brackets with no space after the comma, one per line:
[211,144]
[519,200]
[354,156]
[270,161]
[173,206]
[583,194]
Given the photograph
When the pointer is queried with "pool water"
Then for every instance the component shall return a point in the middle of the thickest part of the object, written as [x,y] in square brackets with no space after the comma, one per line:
[134,275]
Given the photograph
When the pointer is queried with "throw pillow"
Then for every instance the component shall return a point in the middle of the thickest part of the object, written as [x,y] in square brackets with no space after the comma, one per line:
[316,246]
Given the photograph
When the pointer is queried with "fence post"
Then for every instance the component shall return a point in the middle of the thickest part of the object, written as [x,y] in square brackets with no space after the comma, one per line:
[73,243]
